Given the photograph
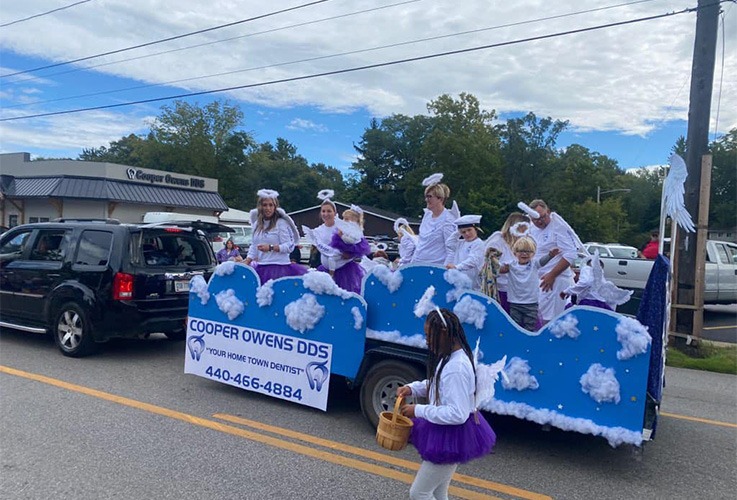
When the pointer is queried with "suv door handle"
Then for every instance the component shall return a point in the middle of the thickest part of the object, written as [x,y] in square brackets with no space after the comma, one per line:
[622,273]
[53,275]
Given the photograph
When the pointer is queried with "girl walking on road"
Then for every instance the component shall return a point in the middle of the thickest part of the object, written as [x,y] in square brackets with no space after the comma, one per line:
[449,430]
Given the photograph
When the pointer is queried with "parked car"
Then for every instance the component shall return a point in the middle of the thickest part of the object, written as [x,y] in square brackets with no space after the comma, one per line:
[613,250]
[89,281]
[385,243]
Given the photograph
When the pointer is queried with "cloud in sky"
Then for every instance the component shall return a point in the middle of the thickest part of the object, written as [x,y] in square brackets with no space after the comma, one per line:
[627,79]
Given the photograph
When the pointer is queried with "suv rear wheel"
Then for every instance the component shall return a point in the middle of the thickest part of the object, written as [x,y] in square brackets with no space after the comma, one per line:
[72,331]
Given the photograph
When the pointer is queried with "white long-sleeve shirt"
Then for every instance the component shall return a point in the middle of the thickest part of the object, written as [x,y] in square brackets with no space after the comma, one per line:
[457,388]
[406,248]
[469,258]
[555,235]
[281,234]
[437,240]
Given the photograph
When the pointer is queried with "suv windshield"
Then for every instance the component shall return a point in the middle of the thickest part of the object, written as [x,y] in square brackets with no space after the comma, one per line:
[175,248]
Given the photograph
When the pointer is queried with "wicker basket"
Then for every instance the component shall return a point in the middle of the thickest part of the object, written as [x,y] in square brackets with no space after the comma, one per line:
[393,430]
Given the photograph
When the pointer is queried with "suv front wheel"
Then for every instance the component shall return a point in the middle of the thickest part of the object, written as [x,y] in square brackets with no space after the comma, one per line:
[72,331]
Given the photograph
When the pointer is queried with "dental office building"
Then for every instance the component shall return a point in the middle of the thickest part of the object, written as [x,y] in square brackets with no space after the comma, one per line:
[39,191]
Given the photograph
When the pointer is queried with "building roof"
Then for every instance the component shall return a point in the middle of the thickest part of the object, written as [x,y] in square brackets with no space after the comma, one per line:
[111,190]
[377,212]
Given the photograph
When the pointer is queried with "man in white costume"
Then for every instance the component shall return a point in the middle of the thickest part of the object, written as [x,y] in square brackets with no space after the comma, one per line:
[551,231]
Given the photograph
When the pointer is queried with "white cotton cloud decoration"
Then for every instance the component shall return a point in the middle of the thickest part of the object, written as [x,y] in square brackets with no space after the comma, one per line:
[229,303]
[567,325]
[633,336]
[198,286]
[460,281]
[425,304]
[357,317]
[304,313]
[517,375]
[391,279]
[396,337]
[471,311]
[225,268]
[265,294]
[601,384]
[323,284]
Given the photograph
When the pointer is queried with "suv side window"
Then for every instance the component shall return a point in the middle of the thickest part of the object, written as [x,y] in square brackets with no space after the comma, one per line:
[50,244]
[94,248]
[14,248]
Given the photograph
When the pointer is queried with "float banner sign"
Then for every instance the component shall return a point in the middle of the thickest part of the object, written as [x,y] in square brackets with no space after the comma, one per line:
[281,366]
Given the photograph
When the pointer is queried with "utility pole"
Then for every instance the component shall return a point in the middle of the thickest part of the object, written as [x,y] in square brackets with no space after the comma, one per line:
[697,143]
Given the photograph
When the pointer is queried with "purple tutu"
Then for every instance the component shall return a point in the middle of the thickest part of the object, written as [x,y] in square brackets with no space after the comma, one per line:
[590,303]
[453,444]
[268,272]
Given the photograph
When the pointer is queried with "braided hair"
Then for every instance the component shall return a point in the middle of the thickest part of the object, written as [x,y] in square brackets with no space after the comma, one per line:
[443,329]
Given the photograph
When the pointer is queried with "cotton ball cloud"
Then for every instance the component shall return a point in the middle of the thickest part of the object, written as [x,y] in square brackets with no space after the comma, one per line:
[396,337]
[517,375]
[323,284]
[567,325]
[471,311]
[391,279]
[225,268]
[633,336]
[357,318]
[460,281]
[425,304]
[229,303]
[265,294]
[601,384]
[304,313]
[198,286]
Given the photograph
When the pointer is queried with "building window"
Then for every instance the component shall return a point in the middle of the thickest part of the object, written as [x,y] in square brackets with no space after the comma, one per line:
[38,219]
[12,220]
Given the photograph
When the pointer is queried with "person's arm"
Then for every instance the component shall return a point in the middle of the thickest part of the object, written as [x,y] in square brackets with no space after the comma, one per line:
[450,238]
[568,251]
[455,402]
[504,269]
[547,281]
[284,234]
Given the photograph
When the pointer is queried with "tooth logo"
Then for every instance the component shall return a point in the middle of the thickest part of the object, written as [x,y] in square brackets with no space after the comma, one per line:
[317,374]
[131,173]
[196,346]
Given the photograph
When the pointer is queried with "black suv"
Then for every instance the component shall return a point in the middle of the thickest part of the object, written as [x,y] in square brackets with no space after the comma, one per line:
[89,281]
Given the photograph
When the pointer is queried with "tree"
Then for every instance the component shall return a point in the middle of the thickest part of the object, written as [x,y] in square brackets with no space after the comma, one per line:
[723,205]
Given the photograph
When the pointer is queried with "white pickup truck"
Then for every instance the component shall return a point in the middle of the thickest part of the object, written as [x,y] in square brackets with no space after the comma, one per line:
[720,277]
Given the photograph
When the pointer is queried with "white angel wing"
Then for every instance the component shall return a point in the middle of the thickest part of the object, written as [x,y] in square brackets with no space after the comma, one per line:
[596,271]
[367,264]
[571,232]
[454,210]
[324,249]
[290,222]
[486,377]
[673,191]
[253,216]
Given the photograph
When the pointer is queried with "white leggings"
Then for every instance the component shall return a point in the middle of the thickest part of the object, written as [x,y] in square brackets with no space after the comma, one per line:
[432,481]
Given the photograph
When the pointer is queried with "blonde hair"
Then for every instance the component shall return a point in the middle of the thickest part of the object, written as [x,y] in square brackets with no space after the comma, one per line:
[439,190]
[512,219]
[353,214]
[524,244]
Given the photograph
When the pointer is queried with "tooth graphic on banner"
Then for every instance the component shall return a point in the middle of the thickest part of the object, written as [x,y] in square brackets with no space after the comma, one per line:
[196,345]
[317,374]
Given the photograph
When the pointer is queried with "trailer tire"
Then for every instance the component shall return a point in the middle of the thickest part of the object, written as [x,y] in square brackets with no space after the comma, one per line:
[379,388]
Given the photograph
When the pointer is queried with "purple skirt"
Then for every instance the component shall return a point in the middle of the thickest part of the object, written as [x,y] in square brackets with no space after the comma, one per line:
[348,277]
[453,444]
[590,303]
[268,272]
[503,301]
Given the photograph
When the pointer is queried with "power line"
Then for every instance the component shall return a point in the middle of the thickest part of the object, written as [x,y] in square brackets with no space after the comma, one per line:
[43,13]
[721,80]
[362,68]
[214,42]
[169,39]
[329,56]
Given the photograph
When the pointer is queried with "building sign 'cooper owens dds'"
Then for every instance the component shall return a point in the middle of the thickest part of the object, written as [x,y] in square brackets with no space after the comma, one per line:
[142,175]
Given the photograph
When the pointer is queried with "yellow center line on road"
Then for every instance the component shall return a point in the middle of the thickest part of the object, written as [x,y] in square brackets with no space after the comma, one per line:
[239,432]
[379,457]
[697,419]
[724,327]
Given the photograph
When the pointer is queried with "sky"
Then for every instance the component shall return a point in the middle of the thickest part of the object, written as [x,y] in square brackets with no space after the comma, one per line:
[623,89]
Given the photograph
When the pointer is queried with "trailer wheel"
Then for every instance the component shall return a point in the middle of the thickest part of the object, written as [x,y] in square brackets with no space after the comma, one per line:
[379,388]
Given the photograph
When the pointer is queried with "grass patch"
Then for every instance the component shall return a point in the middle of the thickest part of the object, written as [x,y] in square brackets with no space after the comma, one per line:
[707,357]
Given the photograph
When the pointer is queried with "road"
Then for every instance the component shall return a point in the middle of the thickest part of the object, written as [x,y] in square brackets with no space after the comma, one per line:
[720,323]
[129,424]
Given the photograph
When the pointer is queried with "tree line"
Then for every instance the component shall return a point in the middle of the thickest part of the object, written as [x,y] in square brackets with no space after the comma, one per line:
[489,165]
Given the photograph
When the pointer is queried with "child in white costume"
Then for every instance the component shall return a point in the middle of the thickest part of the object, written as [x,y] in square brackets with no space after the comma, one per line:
[469,255]
[407,241]
[592,289]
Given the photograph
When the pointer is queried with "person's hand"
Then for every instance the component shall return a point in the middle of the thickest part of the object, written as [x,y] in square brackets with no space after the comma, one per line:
[554,252]
[238,258]
[547,282]
[504,268]
[408,410]
[248,261]
[404,391]
[563,295]
[450,266]
[263,247]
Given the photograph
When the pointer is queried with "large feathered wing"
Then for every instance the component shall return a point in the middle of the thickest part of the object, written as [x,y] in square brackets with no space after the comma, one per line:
[486,376]
[673,191]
